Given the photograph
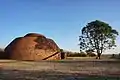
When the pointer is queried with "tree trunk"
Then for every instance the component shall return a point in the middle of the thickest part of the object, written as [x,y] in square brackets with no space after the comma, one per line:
[98,54]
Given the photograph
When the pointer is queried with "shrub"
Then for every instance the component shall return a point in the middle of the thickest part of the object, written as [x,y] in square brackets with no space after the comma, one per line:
[91,54]
[2,54]
[119,55]
[113,56]
[82,54]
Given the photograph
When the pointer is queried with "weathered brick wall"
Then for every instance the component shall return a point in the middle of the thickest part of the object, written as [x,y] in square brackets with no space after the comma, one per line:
[32,47]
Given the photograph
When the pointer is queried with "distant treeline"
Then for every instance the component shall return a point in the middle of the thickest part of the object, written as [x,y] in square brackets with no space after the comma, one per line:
[90,54]
[82,54]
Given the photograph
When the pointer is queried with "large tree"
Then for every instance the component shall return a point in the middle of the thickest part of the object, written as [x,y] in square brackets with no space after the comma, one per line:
[97,36]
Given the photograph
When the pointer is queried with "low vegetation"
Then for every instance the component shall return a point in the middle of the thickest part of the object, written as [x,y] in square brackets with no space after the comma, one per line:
[2,55]
[115,56]
[82,54]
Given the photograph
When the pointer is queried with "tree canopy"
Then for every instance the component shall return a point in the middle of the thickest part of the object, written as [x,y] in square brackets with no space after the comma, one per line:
[97,36]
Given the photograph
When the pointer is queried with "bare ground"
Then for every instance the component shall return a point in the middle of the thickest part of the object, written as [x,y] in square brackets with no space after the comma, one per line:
[78,69]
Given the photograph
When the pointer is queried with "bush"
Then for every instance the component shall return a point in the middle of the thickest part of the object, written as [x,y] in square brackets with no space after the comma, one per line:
[119,56]
[113,56]
[82,54]
[91,54]
[2,54]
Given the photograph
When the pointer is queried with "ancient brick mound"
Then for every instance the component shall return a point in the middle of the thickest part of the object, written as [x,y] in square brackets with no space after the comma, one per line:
[33,47]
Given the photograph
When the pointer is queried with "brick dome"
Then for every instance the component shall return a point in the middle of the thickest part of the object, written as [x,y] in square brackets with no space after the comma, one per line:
[33,47]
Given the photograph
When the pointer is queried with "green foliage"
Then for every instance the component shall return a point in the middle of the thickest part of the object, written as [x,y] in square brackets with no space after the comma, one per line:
[113,56]
[61,50]
[82,54]
[90,53]
[97,36]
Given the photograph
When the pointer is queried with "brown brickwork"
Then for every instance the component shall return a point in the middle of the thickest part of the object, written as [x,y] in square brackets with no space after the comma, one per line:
[33,47]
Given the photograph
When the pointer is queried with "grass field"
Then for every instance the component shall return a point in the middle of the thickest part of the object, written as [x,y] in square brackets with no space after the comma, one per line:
[70,69]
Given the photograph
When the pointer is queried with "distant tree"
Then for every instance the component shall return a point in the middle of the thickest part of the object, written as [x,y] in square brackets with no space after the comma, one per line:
[97,36]
[61,50]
